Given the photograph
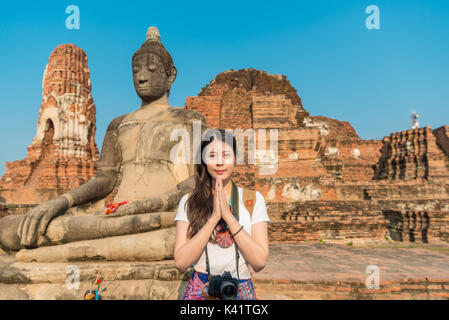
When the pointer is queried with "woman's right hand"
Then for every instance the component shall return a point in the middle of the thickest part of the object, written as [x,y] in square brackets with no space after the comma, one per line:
[216,213]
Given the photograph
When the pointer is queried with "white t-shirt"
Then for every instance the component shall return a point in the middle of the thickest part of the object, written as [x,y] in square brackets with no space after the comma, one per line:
[223,259]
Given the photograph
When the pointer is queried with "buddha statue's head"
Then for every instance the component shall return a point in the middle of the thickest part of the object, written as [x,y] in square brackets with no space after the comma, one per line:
[153,68]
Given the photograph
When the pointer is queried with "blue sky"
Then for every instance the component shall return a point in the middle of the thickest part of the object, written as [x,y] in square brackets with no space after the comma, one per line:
[370,78]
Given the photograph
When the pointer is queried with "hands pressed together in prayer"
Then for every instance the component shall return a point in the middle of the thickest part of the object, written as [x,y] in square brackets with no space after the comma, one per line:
[221,203]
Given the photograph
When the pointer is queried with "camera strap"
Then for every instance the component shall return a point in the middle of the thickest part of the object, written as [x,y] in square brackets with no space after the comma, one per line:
[235,213]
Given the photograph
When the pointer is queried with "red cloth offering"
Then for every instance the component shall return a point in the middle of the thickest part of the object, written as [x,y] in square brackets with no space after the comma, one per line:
[111,208]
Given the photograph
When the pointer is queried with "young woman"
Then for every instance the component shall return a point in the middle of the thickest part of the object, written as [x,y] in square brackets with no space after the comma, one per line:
[207,232]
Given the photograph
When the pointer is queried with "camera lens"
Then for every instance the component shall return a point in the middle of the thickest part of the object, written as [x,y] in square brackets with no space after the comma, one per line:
[228,291]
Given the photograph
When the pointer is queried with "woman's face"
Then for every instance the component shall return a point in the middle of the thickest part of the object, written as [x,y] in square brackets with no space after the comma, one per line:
[220,159]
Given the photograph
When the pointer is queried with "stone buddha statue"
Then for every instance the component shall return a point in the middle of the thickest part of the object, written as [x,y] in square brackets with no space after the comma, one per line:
[136,161]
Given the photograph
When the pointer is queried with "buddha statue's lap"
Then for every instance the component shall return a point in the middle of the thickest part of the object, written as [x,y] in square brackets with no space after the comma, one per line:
[137,147]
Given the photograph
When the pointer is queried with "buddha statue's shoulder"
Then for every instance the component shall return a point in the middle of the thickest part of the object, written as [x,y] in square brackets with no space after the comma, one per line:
[186,114]
[115,123]
[173,114]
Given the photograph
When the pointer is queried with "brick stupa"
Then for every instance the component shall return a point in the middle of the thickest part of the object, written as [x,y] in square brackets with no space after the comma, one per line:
[330,184]
[63,154]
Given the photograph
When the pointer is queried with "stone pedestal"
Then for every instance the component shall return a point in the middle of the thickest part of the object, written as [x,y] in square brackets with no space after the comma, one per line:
[133,280]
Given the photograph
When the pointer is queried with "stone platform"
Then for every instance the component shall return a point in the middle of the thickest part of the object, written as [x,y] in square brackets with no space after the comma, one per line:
[308,270]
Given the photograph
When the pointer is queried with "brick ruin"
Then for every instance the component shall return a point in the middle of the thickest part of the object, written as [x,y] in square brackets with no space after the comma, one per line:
[329,183]
[63,154]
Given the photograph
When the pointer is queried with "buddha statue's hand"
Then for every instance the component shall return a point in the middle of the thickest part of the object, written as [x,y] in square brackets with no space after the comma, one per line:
[138,207]
[36,221]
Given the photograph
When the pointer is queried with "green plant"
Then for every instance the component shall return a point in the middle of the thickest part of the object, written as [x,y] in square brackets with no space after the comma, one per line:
[350,243]
[322,241]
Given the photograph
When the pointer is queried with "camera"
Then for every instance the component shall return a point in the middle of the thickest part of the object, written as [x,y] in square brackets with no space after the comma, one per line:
[224,286]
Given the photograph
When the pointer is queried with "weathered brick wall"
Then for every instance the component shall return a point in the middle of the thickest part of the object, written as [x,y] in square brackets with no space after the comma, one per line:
[413,154]
[418,226]
[326,220]
[425,221]
[15,209]
[413,190]
[442,140]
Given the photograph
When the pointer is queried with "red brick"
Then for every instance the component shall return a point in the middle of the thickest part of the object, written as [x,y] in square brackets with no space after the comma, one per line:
[343,289]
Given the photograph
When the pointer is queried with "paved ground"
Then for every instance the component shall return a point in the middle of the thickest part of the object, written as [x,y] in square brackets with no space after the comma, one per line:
[340,262]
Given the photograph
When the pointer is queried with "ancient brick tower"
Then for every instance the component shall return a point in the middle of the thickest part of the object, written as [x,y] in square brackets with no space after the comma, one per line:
[63,153]
[330,184]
